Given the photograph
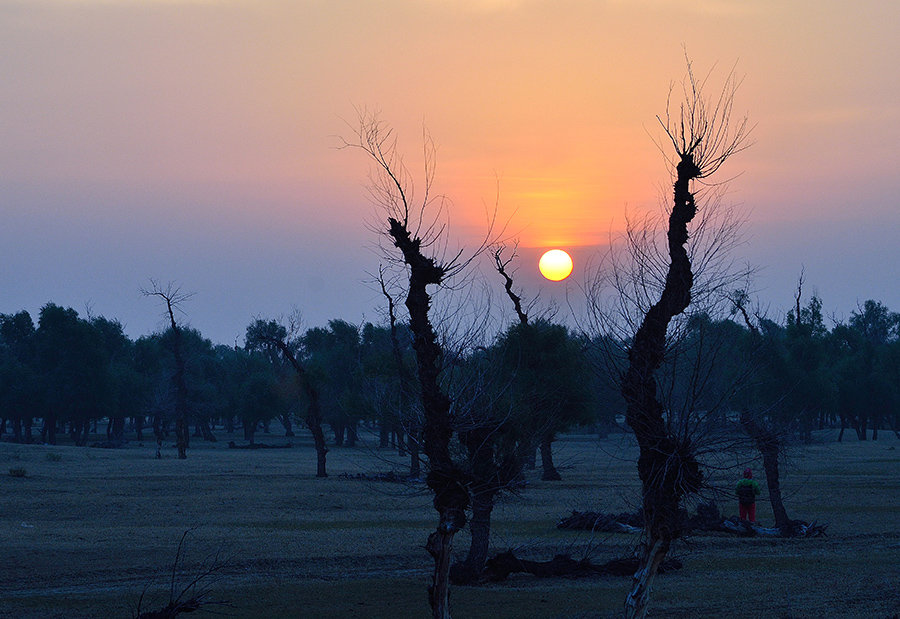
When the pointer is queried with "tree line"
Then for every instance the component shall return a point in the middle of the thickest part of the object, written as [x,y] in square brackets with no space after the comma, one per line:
[68,372]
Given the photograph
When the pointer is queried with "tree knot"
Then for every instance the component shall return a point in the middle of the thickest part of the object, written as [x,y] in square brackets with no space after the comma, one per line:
[451,497]
[686,168]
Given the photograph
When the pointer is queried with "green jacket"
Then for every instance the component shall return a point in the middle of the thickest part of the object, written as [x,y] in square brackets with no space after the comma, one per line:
[747,491]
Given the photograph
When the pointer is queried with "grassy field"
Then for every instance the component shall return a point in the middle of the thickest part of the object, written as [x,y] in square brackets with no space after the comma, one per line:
[85,531]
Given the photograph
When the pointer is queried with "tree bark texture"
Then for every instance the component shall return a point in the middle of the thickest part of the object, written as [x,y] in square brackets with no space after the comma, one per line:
[400,438]
[414,437]
[286,423]
[638,598]
[487,480]
[205,431]
[445,479]
[480,528]
[314,423]
[49,430]
[666,466]
[116,430]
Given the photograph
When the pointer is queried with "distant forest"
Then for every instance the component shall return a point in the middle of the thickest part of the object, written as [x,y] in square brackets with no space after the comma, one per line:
[67,373]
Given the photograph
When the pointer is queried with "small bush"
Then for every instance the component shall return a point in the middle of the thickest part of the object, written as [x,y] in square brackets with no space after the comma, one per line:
[53,457]
[18,472]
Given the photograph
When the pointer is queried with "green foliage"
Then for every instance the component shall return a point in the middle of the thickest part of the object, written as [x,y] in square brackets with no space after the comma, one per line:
[533,379]
[550,383]
[261,396]
[334,360]
[867,367]
[74,365]
[20,387]
[701,371]
[533,382]
[385,396]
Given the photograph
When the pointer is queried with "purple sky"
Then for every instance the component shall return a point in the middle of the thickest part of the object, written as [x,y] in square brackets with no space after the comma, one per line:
[193,141]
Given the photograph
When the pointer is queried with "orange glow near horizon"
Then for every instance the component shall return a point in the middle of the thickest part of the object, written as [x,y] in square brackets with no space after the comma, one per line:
[576,209]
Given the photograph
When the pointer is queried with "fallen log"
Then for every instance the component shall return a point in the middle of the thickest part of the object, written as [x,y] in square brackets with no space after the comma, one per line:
[596,521]
[795,528]
[118,444]
[499,567]
[233,445]
[707,518]
[389,476]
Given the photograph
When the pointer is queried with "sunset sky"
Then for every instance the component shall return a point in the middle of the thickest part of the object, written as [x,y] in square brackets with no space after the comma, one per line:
[196,141]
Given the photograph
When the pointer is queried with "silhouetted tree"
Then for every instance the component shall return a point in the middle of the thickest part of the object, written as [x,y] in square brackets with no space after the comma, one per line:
[333,358]
[20,392]
[532,382]
[867,370]
[415,228]
[703,136]
[173,298]
[260,397]
[262,334]
[125,387]
[760,400]
[807,384]
[73,372]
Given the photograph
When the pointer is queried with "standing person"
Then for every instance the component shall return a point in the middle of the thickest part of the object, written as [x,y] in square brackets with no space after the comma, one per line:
[747,491]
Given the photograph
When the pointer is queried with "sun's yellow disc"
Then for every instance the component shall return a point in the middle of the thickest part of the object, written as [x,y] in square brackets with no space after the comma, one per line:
[555,265]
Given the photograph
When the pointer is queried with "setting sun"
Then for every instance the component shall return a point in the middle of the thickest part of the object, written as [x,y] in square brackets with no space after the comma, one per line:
[555,265]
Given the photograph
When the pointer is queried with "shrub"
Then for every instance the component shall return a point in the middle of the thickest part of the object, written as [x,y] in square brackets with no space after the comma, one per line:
[17,472]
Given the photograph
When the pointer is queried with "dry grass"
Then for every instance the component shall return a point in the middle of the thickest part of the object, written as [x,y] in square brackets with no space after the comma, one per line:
[88,530]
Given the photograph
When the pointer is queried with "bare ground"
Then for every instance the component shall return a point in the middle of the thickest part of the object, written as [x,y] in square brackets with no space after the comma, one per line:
[87,530]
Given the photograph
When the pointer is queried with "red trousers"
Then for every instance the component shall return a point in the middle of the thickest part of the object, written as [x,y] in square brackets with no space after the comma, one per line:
[748,512]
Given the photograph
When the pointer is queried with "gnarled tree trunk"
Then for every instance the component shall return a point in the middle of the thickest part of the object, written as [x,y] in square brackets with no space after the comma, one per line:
[667,468]
[485,485]
[445,479]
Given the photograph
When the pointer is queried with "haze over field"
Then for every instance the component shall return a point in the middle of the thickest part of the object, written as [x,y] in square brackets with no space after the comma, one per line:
[196,141]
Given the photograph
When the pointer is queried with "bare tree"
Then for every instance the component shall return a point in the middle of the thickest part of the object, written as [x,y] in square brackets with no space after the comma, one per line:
[548,435]
[759,422]
[502,264]
[417,229]
[173,297]
[655,285]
